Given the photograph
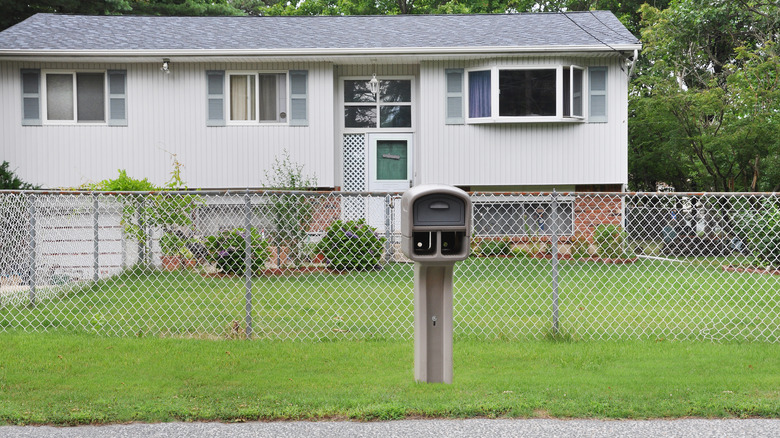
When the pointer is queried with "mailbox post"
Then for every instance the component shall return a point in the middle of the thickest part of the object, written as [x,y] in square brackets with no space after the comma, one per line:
[435,233]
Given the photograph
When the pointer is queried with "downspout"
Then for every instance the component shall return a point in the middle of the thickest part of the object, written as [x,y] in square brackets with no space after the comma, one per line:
[633,64]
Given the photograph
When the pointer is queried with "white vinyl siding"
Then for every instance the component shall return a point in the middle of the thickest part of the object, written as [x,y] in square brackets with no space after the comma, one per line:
[167,115]
[520,154]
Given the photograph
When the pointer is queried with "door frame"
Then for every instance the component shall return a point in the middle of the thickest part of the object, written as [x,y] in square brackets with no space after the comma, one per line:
[375,185]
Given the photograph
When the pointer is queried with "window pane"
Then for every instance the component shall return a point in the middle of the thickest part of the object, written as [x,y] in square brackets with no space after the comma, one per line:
[577,99]
[598,79]
[527,92]
[395,91]
[242,97]
[566,92]
[30,83]
[391,160]
[116,84]
[360,117]
[395,116]
[59,96]
[358,91]
[479,93]
[268,97]
[455,82]
[598,105]
[90,97]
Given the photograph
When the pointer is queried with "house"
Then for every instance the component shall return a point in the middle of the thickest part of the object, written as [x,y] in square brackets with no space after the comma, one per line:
[513,102]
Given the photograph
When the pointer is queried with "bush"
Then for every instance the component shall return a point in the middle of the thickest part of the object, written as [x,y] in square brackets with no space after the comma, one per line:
[610,241]
[579,247]
[351,245]
[491,248]
[763,233]
[226,249]
[9,180]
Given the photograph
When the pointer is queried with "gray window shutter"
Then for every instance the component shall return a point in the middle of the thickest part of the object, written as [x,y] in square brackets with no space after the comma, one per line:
[597,94]
[31,97]
[117,97]
[454,104]
[299,91]
[215,99]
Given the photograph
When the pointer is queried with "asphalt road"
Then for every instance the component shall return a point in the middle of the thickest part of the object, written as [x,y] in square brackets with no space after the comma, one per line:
[417,428]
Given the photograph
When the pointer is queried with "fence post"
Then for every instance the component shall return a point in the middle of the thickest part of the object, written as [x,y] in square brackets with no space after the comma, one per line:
[32,245]
[96,238]
[388,224]
[554,260]
[141,235]
[248,262]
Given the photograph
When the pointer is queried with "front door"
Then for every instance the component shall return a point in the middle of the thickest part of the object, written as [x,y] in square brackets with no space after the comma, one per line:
[389,162]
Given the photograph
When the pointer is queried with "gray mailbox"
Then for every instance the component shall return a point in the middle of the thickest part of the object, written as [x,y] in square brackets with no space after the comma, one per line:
[435,233]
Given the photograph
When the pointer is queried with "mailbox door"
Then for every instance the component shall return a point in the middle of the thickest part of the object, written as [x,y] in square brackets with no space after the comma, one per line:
[389,162]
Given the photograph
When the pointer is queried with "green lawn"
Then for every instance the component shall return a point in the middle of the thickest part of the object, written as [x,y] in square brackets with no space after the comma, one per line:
[58,378]
[495,298]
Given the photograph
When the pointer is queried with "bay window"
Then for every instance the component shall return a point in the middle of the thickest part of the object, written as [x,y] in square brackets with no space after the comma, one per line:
[519,94]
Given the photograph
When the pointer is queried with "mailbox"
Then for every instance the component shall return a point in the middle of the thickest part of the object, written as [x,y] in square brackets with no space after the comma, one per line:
[436,223]
[435,234]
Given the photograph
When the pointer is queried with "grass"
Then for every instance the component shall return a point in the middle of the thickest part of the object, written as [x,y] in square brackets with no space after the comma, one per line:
[495,298]
[67,379]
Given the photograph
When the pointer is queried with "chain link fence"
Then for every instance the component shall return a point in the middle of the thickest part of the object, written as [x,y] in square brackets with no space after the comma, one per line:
[324,266]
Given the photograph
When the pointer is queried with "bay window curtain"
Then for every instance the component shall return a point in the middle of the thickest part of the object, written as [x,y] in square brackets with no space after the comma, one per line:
[479,94]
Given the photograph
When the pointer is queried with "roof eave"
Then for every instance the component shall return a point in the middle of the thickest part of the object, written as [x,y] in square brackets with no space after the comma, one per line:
[182,55]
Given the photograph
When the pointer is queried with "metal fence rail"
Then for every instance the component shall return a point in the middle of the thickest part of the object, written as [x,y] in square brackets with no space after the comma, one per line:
[313,265]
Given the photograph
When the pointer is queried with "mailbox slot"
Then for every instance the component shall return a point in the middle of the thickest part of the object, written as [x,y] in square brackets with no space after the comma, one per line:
[452,242]
[424,243]
[439,209]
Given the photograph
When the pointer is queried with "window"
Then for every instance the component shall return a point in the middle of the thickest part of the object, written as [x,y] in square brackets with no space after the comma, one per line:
[257,97]
[75,97]
[391,107]
[598,94]
[251,98]
[67,97]
[525,94]
[523,218]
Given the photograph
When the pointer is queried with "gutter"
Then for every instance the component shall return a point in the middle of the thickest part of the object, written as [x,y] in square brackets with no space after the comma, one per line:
[633,64]
[307,52]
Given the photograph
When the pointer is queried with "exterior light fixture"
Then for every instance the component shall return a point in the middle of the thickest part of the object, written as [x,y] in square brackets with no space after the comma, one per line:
[166,63]
[373,85]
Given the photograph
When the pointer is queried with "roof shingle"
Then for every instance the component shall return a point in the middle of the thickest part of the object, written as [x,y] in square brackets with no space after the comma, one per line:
[55,32]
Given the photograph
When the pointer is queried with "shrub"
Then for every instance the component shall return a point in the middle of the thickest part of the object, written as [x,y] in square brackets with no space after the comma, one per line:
[763,233]
[227,250]
[351,245]
[579,247]
[9,180]
[610,240]
[491,248]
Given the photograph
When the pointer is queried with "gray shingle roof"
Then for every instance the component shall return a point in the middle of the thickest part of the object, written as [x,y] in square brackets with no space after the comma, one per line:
[53,32]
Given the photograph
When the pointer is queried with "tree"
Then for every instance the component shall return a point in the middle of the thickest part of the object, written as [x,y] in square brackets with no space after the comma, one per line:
[705,105]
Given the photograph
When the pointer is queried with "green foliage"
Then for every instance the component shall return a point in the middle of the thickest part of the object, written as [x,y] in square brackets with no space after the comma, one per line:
[610,241]
[227,250]
[763,232]
[171,244]
[703,110]
[122,183]
[351,245]
[290,213]
[9,180]
[490,248]
[579,247]
[170,212]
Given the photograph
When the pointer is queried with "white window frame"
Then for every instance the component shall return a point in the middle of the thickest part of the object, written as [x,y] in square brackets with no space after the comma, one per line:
[571,92]
[495,94]
[75,121]
[282,96]
[377,104]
